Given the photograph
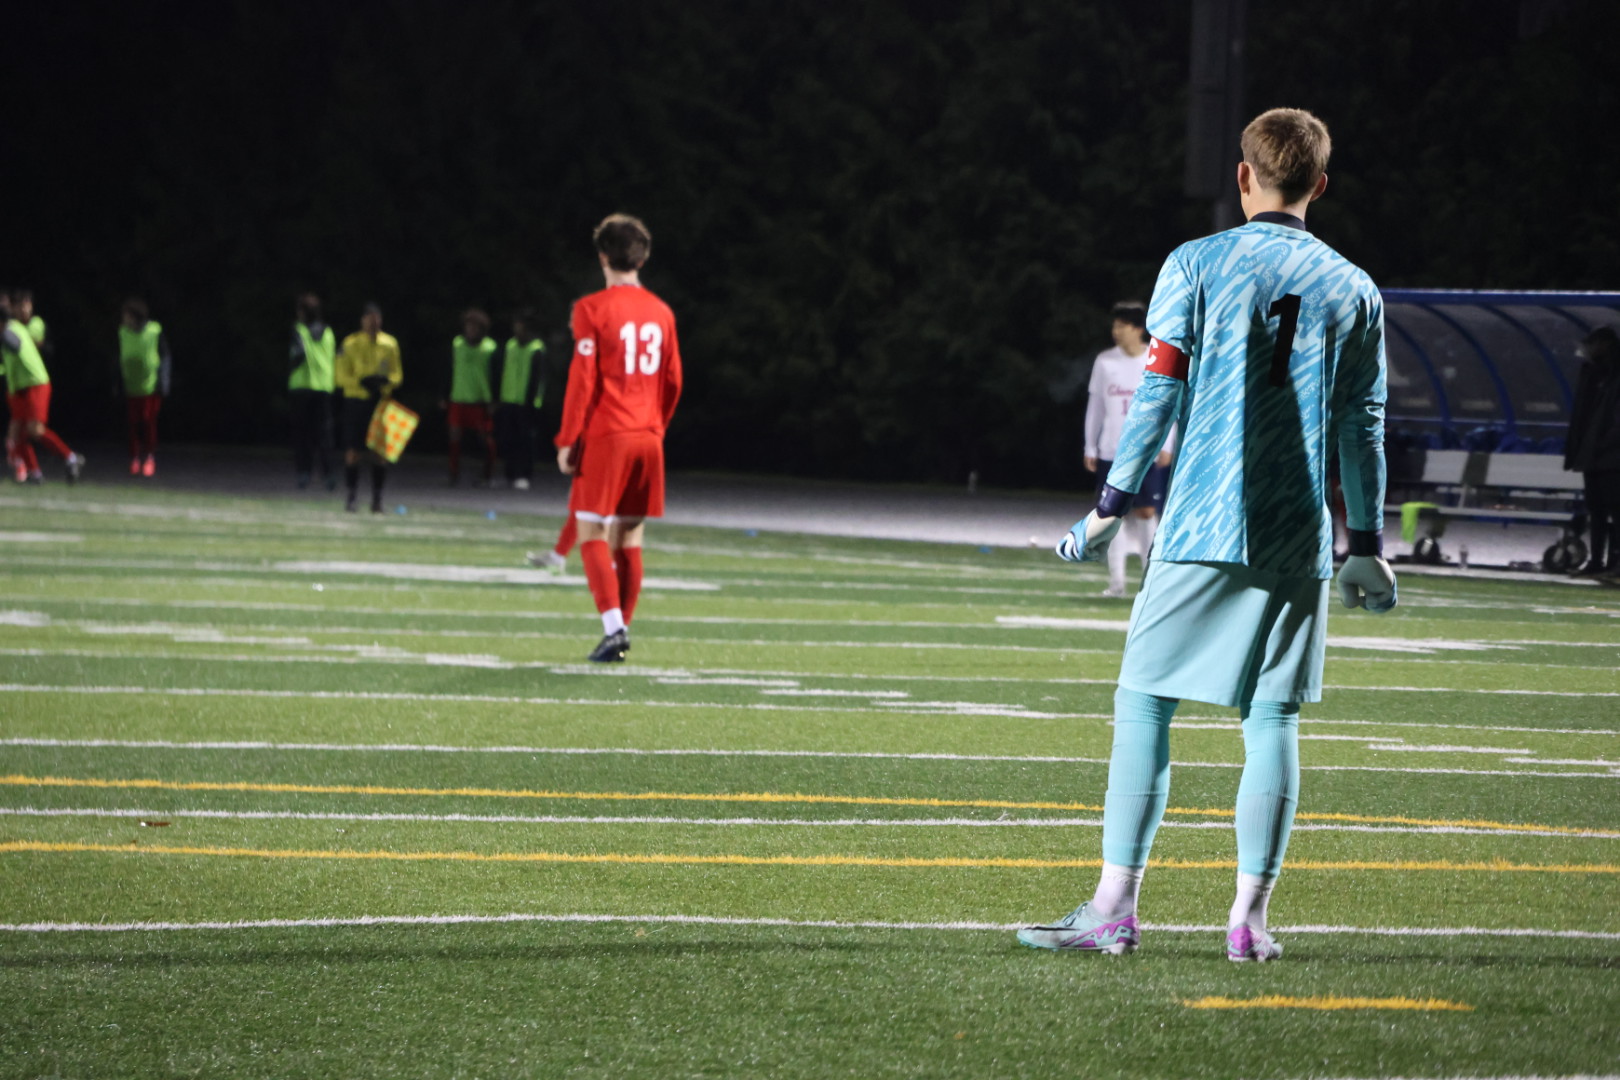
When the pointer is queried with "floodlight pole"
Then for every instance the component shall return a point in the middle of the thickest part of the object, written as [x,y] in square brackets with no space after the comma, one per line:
[1215,106]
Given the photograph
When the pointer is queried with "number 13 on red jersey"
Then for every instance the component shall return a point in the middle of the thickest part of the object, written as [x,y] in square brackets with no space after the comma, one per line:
[651,337]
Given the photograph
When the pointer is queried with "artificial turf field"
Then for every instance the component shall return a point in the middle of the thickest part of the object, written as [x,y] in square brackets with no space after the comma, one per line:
[348,803]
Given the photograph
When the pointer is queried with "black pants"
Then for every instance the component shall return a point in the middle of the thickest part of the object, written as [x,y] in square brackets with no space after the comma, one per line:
[514,437]
[311,412]
[1603,516]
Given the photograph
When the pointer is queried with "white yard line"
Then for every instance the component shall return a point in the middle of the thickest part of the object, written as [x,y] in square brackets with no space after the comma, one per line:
[454,659]
[731,920]
[606,819]
[159,744]
[1015,621]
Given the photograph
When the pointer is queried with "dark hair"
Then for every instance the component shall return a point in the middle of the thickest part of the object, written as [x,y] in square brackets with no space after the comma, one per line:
[624,240]
[1602,345]
[371,308]
[137,307]
[1133,312]
[523,316]
[308,308]
[479,318]
[19,295]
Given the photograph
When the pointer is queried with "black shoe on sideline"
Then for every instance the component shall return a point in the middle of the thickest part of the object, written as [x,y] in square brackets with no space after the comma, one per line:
[612,648]
[376,505]
[352,503]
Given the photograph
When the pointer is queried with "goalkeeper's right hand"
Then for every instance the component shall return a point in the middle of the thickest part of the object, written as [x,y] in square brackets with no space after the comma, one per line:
[1088,540]
[1367,580]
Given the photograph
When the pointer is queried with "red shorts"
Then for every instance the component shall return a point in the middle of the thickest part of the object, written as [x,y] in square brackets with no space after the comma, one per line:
[142,410]
[620,476]
[476,417]
[31,403]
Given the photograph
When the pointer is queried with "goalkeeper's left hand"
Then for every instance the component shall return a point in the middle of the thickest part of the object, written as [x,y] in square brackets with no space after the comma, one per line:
[1367,581]
[1088,540]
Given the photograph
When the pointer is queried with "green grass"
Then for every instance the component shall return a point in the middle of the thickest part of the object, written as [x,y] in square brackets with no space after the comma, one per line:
[853,708]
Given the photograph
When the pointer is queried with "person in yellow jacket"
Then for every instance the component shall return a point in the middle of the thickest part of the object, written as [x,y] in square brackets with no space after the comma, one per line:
[366,371]
[310,383]
[143,371]
[28,393]
[22,309]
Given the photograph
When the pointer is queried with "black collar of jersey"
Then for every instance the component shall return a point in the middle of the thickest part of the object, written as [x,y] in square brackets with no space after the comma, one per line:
[1277,217]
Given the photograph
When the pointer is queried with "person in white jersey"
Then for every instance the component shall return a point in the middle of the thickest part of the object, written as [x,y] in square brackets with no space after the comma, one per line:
[1114,379]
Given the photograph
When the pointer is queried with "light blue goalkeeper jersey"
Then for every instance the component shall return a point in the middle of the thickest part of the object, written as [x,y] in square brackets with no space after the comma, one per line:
[1284,345]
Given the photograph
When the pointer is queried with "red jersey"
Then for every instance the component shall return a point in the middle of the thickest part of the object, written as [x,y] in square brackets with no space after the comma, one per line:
[626,371]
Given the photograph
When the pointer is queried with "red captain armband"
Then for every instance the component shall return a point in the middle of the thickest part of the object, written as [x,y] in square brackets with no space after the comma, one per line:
[1165,359]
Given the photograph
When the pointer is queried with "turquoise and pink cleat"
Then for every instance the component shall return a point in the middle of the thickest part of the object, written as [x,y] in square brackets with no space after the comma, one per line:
[1245,943]
[1081,930]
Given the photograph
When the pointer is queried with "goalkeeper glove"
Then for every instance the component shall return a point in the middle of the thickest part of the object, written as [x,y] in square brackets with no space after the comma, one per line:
[1367,581]
[1088,540]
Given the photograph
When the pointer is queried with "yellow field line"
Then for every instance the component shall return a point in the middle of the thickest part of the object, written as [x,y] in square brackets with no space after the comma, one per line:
[18,780]
[631,858]
[1275,1001]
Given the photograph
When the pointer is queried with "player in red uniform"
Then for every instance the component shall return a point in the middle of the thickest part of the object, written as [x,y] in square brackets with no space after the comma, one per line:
[623,384]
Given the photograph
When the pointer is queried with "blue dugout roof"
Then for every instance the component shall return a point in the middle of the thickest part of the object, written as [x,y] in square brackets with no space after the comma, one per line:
[1461,360]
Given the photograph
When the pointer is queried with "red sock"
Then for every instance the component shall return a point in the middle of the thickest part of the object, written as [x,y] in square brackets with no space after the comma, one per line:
[25,454]
[569,535]
[599,574]
[627,564]
[54,444]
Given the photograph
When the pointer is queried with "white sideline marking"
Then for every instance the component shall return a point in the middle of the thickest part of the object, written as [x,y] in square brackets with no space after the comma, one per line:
[474,660]
[1382,644]
[607,819]
[40,538]
[801,692]
[684,680]
[1449,749]
[733,920]
[161,744]
[1048,623]
[497,575]
[1426,645]
[721,620]
[564,669]
[24,618]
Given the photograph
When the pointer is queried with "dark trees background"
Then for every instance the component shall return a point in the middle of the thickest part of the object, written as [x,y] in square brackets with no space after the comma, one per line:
[889,229]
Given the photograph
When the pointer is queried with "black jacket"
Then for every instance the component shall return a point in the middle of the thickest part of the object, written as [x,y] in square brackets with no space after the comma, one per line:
[1593,443]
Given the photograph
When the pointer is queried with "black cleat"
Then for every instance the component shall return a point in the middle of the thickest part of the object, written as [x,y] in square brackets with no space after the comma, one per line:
[612,648]
[352,503]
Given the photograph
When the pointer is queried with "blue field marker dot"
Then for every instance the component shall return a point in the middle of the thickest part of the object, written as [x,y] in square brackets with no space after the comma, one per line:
[490,514]
[750,532]
[984,549]
[400,509]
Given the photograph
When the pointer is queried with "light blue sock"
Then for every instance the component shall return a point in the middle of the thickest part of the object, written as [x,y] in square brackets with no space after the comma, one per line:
[1269,789]
[1138,776]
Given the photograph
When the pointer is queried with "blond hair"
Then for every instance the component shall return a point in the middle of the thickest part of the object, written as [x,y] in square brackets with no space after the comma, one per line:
[1288,150]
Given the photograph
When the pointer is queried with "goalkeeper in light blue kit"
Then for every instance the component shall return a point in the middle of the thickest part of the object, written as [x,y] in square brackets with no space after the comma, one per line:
[1268,350]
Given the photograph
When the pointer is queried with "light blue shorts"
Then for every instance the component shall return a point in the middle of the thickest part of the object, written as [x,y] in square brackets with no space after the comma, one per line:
[1226,634]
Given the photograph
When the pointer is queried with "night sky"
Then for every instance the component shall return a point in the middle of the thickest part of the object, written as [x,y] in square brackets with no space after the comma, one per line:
[887,228]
